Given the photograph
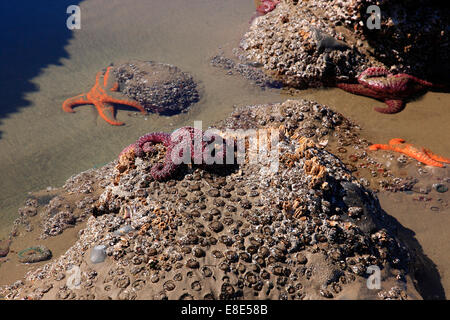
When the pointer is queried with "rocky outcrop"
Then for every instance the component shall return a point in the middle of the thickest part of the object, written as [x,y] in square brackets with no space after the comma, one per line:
[315,43]
[308,230]
[158,87]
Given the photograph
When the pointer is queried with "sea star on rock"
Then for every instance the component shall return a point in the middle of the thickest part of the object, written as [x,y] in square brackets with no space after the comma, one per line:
[101,96]
[393,89]
[145,144]
[176,144]
[421,154]
[265,6]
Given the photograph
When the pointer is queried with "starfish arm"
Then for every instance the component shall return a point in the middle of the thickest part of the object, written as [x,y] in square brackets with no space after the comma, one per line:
[106,77]
[374,72]
[400,146]
[107,113]
[75,101]
[127,102]
[109,82]
[396,141]
[423,155]
[359,89]
[375,147]
[394,106]
[97,77]
[435,156]
[420,81]
[115,87]
[420,156]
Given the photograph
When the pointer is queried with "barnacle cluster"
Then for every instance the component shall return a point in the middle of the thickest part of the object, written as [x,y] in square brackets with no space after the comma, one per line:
[308,231]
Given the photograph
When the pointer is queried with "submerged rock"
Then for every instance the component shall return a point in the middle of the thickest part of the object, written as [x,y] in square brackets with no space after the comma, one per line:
[158,87]
[34,254]
[4,247]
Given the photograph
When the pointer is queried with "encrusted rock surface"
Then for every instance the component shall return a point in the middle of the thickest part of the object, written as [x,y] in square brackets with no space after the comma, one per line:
[307,231]
[249,71]
[315,43]
[158,87]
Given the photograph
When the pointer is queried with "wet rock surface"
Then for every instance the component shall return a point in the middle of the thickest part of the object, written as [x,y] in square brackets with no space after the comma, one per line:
[413,36]
[57,211]
[4,248]
[310,231]
[298,48]
[315,43]
[250,71]
[158,87]
[34,254]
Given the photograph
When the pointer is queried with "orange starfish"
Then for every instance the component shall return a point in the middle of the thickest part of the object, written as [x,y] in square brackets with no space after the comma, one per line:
[423,155]
[101,97]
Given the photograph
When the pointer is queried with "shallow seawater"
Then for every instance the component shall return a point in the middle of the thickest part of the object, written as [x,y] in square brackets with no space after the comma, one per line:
[42,146]
[424,122]
[426,218]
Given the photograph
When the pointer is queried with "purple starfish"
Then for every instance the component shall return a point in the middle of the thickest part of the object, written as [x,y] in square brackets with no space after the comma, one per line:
[200,153]
[145,144]
[393,89]
[181,140]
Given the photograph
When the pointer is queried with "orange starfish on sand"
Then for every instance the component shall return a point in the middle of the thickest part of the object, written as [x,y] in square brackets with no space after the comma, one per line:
[423,155]
[101,96]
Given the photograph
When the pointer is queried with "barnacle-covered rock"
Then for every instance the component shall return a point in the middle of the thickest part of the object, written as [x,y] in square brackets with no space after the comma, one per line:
[297,48]
[158,87]
[308,230]
[315,43]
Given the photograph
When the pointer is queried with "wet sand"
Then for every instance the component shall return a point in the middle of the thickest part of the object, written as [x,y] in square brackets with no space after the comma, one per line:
[429,226]
[423,122]
[12,270]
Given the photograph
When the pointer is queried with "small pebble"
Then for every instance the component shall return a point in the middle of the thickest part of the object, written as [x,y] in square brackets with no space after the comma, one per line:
[98,254]
[441,188]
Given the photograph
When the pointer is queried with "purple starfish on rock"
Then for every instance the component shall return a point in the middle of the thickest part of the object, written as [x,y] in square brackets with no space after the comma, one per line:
[393,89]
[186,145]
[145,144]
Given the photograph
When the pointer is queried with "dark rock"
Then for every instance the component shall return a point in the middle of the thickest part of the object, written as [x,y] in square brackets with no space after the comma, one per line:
[158,87]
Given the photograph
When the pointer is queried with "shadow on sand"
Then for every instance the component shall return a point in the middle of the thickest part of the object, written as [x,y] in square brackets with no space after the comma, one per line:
[34,35]
[424,269]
